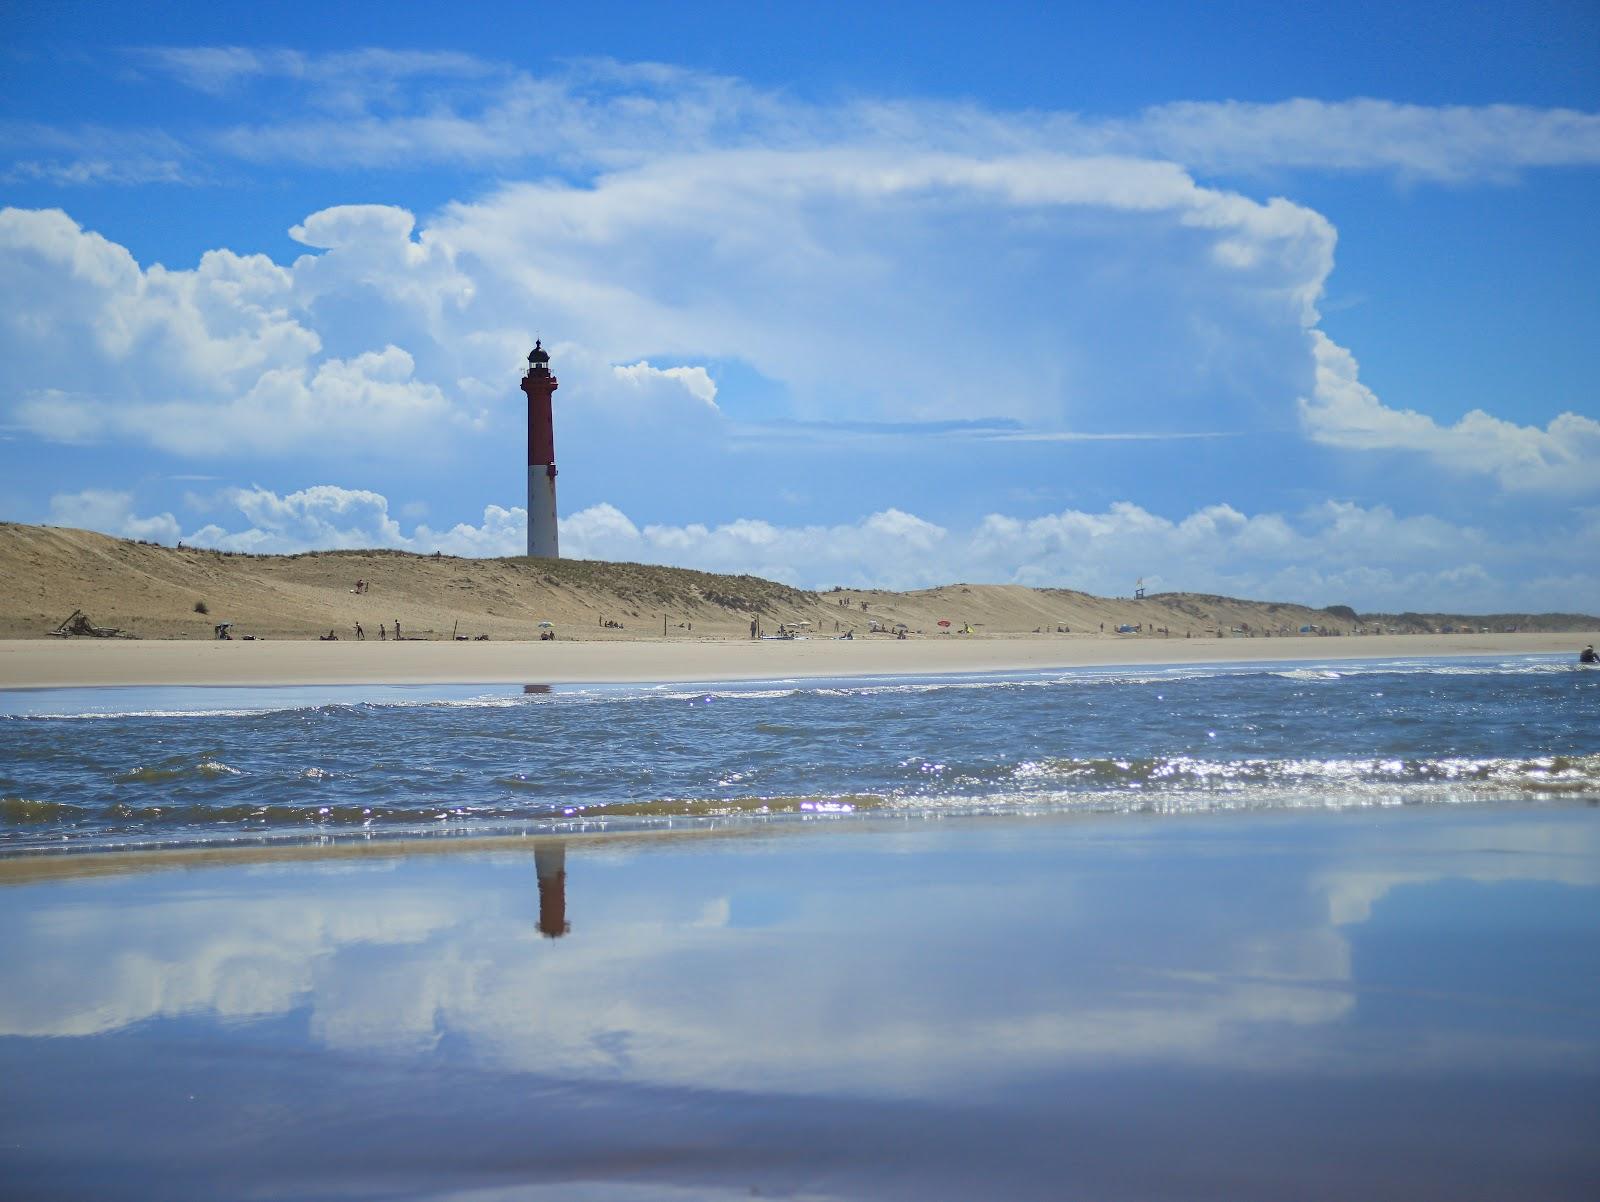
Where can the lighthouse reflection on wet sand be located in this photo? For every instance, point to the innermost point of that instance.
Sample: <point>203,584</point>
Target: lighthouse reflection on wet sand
<point>540,386</point>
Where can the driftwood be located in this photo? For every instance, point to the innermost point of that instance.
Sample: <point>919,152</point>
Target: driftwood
<point>77,625</point>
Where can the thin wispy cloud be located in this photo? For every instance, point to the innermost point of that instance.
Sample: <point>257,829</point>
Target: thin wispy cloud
<point>601,111</point>
<point>94,154</point>
<point>957,431</point>
<point>1445,142</point>
<point>216,70</point>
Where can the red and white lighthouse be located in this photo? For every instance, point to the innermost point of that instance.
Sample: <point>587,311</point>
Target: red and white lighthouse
<point>540,386</point>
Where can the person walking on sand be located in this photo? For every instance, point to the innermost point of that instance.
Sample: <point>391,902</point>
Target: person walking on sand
<point>360,634</point>
<point>383,631</point>
<point>397,629</point>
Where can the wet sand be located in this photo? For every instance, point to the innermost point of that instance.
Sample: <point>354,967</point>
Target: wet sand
<point>1385,1004</point>
<point>43,663</point>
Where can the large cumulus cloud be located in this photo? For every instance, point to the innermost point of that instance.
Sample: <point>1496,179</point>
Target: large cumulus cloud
<point>1093,294</point>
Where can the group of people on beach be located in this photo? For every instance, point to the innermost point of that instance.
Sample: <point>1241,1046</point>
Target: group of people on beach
<point>383,633</point>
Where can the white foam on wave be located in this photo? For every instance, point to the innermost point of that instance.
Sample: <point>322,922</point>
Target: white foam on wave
<point>100,715</point>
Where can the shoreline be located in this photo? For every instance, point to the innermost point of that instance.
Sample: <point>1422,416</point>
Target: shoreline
<point>103,663</point>
<point>22,866</point>
<point>25,865</point>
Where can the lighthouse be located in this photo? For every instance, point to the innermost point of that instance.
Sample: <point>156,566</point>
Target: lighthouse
<point>540,386</point>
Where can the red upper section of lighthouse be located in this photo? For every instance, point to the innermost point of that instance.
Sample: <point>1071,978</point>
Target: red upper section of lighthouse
<point>540,385</point>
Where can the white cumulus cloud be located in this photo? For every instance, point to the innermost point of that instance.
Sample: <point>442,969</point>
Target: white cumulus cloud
<point>840,252</point>
<point>1343,412</point>
<point>696,381</point>
<point>111,512</point>
<point>328,516</point>
<point>218,360</point>
<point>1331,553</point>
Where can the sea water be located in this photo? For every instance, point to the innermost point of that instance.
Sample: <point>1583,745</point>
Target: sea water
<point>102,768</point>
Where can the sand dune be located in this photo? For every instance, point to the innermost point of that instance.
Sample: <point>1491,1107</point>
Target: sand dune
<point>154,593</point>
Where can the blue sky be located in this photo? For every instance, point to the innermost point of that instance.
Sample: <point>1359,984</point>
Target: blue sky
<point>1280,301</point>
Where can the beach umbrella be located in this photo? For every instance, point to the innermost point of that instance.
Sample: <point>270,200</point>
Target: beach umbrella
<point>546,625</point>
<point>944,621</point>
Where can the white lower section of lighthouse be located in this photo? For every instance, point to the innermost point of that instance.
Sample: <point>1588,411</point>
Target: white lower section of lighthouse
<point>542,535</point>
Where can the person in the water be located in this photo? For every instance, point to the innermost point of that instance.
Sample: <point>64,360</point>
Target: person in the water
<point>1588,656</point>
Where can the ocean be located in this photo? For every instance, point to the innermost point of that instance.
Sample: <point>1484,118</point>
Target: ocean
<point>104,768</point>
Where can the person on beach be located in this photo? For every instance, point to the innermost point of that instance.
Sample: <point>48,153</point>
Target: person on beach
<point>397,629</point>
<point>383,632</point>
<point>1588,656</point>
<point>360,634</point>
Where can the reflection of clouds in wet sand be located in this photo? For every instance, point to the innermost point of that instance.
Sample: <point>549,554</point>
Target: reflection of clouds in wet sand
<point>97,965</point>
<point>1565,855</point>
<point>720,970</point>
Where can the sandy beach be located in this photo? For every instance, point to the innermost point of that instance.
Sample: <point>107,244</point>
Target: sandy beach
<point>36,663</point>
<point>477,621</point>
